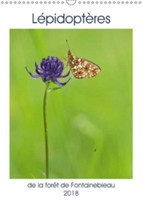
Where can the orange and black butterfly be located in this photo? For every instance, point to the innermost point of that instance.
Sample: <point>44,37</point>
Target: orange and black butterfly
<point>80,67</point>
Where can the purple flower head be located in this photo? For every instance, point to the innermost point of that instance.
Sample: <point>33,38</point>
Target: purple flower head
<point>50,69</point>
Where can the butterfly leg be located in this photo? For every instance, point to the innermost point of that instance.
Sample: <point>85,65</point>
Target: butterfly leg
<point>65,60</point>
<point>67,64</point>
<point>62,58</point>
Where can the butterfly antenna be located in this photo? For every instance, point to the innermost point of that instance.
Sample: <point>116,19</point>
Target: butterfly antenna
<point>68,44</point>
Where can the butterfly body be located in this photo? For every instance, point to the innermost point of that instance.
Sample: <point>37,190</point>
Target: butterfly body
<point>82,68</point>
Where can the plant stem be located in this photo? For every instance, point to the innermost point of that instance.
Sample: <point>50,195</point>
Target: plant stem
<point>45,131</point>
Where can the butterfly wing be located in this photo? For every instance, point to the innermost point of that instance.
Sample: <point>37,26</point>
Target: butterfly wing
<point>82,68</point>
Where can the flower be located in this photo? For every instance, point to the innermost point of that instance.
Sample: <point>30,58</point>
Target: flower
<point>50,69</point>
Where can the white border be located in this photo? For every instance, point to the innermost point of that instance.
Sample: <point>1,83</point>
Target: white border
<point>126,16</point>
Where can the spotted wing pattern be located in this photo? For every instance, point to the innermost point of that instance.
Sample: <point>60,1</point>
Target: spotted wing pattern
<point>82,68</point>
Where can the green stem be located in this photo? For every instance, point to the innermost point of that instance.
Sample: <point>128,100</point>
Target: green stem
<point>45,131</point>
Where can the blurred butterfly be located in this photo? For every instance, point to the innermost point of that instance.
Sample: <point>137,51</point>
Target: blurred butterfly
<point>80,67</point>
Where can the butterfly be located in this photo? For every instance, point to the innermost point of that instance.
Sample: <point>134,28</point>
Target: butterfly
<point>80,67</point>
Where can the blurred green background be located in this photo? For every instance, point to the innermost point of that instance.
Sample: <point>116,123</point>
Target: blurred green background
<point>89,120</point>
